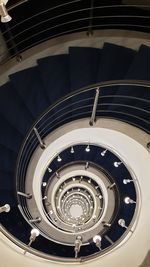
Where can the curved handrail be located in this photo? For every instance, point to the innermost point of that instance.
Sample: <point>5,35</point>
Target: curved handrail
<point>84,17</point>
<point>99,26</point>
<point>50,119</point>
<point>72,21</point>
<point>75,1</point>
<point>45,11</point>
<point>77,105</point>
<point>134,83</point>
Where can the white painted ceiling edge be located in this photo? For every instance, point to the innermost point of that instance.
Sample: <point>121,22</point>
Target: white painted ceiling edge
<point>131,253</point>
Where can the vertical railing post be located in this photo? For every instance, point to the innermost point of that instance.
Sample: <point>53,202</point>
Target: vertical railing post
<point>90,27</point>
<point>93,115</point>
<point>13,45</point>
<point>42,144</point>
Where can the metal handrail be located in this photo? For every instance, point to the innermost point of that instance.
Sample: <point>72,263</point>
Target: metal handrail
<point>26,150</point>
<point>50,19</point>
<point>17,4</point>
<point>72,2</point>
<point>45,11</point>
<point>85,28</point>
<point>66,23</point>
<point>86,23</point>
<point>50,120</point>
<point>138,83</point>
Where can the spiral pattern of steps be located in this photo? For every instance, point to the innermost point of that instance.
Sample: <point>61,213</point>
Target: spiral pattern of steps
<point>85,189</point>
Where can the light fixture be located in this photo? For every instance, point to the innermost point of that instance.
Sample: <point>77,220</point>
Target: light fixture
<point>103,152</point>
<point>5,208</point>
<point>77,245</point>
<point>44,184</point>
<point>33,235</point>
<point>72,150</point>
<point>49,169</point>
<point>117,164</point>
<point>127,181</point>
<point>122,223</point>
<point>128,200</point>
<point>59,159</point>
<point>97,240</point>
<point>87,149</point>
<point>5,17</point>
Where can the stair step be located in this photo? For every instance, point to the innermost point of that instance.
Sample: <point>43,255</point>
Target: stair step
<point>54,72</point>
<point>13,109</point>
<point>129,100</point>
<point>6,180</point>
<point>115,61</point>
<point>84,62</point>
<point>14,221</point>
<point>7,159</point>
<point>7,197</point>
<point>29,86</point>
<point>138,70</point>
<point>9,137</point>
<point>140,67</point>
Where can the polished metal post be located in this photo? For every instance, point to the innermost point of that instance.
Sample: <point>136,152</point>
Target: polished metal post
<point>111,186</point>
<point>86,165</point>
<point>90,27</point>
<point>36,220</point>
<point>93,116</point>
<point>24,194</point>
<point>78,243</point>
<point>108,239</point>
<point>42,144</point>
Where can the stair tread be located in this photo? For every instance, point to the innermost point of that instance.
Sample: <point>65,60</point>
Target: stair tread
<point>13,109</point>
<point>18,226</point>
<point>54,72</point>
<point>7,159</point>
<point>84,62</point>
<point>115,61</point>
<point>6,180</point>
<point>140,66</point>
<point>9,137</point>
<point>29,86</point>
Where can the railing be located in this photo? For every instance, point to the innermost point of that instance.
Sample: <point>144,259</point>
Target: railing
<point>104,100</point>
<point>26,31</point>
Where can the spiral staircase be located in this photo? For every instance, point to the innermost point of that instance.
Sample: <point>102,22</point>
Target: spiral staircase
<point>71,164</point>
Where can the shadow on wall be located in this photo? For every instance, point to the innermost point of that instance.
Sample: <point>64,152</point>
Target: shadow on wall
<point>146,262</point>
